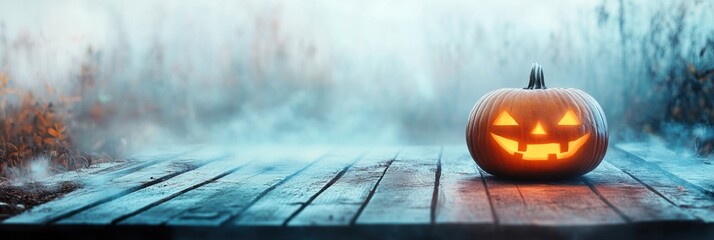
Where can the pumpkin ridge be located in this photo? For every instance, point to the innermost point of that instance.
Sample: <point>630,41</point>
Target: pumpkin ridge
<point>601,146</point>
<point>495,99</point>
<point>529,108</point>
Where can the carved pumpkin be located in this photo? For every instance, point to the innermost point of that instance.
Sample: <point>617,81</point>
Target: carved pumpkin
<point>537,132</point>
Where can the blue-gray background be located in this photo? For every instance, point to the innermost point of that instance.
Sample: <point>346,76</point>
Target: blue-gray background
<point>346,72</point>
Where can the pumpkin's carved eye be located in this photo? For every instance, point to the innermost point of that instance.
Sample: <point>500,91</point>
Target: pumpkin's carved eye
<point>569,119</point>
<point>505,119</point>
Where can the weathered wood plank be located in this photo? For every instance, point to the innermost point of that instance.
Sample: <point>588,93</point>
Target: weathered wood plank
<point>181,208</point>
<point>108,170</point>
<point>79,175</point>
<point>462,195</point>
<point>404,196</point>
<point>294,191</point>
<point>126,205</point>
<point>105,188</point>
<point>696,171</point>
<point>339,204</point>
<point>216,202</point>
<point>163,212</point>
<point>631,198</point>
<point>100,192</point>
<point>145,159</point>
<point>276,206</point>
<point>680,192</point>
<point>547,203</point>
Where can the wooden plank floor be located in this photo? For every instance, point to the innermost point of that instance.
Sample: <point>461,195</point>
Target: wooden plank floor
<point>413,192</point>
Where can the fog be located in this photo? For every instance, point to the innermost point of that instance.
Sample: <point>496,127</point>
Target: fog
<point>144,73</point>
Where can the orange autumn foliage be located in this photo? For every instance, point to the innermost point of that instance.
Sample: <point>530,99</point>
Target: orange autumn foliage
<point>33,129</point>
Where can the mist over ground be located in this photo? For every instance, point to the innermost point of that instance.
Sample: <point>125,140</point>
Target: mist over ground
<point>145,73</point>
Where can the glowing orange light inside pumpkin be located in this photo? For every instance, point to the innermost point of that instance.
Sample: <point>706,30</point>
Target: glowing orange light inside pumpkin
<point>544,151</point>
<point>569,119</point>
<point>538,130</point>
<point>505,119</point>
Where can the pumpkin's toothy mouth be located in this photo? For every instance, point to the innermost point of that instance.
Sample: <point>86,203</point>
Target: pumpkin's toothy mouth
<point>546,151</point>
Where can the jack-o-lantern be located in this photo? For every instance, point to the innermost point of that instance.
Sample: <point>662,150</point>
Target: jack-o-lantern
<point>537,132</point>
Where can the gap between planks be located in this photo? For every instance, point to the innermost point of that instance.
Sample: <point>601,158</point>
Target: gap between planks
<point>401,196</point>
<point>341,203</point>
<point>94,195</point>
<point>678,191</point>
<point>217,202</point>
<point>444,194</point>
<point>281,202</point>
<point>121,182</point>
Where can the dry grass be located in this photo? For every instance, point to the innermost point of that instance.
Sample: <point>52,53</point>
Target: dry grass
<point>32,129</point>
<point>670,87</point>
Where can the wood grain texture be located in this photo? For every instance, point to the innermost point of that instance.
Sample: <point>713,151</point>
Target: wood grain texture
<point>104,172</point>
<point>339,204</point>
<point>107,213</point>
<point>102,191</point>
<point>422,192</point>
<point>195,198</point>
<point>462,196</point>
<point>635,201</point>
<point>83,174</point>
<point>404,196</point>
<point>696,171</point>
<point>228,196</point>
<point>279,204</point>
<point>676,190</point>
<point>548,203</point>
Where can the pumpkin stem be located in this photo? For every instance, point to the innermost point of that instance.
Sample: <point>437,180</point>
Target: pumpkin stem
<point>536,81</point>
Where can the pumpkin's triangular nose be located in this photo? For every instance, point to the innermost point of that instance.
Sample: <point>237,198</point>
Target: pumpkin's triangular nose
<point>538,130</point>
